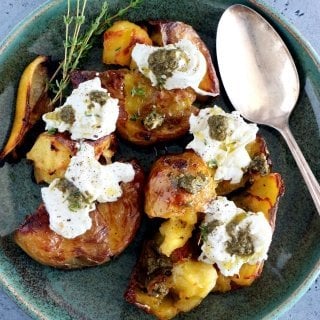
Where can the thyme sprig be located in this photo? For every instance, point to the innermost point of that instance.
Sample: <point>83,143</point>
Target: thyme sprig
<point>78,44</point>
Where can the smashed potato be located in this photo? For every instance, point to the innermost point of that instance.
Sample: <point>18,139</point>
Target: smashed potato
<point>119,40</point>
<point>178,185</point>
<point>51,154</point>
<point>114,224</point>
<point>167,32</point>
<point>176,232</point>
<point>150,114</point>
<point>165,287</point>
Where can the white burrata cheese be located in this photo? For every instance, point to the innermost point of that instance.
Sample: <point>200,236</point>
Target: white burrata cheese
<point>216,239</point>
<point>88,113</point>
<point>191,66</point>
<point>63,220</point>
<point>229,156</point>
<point>94,180</point>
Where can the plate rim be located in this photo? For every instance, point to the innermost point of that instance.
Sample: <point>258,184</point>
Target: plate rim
<point>267,11</point>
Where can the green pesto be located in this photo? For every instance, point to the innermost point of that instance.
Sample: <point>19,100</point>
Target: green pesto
<point>259,163</point>
<point>191,183</point>
<point>241,243</point>
<point>164,62</point>
<point>75,198</point>
<point>99,97</point>
<point>218,127</point>
<point>67,114</point>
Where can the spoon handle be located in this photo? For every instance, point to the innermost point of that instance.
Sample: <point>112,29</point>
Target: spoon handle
<point>305,170</point>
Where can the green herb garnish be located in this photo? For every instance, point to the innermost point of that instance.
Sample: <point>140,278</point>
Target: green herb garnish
<point>78,43</point>
<point>204,231</point>
<point>52,131</point>
<point>134,117</point>
<point>137,91</point>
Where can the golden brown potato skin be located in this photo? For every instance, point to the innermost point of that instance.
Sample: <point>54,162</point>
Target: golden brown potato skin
<point>262,195</point>
<point>175,106</point>
<point>119,40</point>
<point>51,154</point>
<point>164,199</point>
<point>113,228</point>
<point>167,32</point>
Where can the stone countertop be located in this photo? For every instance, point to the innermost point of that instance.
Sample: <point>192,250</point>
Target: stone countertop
<point>304,15</point>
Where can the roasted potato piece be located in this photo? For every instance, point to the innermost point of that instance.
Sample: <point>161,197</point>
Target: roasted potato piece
<point>150,114</point>
<point>114,226</point>
<point>263,195</point>
<point>164,287</point>
<point>176,232</point>
<point>32,102</point>
<point>247,275</point>
<point>119,40</point>
<point>261,163</point>
<point>192,282</point>
<point>178,185</point>
<point>166,32</point>
<point>51,154</point>
<point>147,114</point>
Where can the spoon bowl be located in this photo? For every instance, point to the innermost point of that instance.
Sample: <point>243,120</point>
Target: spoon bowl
<point>260,77</point>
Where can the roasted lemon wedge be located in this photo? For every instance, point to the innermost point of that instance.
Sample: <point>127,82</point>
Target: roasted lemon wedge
<point>32,101</point>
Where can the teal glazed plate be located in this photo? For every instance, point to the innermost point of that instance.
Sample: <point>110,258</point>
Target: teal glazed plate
<point>97,293</point>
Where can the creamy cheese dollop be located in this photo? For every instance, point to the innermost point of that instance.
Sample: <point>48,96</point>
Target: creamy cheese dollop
<point>220,138</point>
<point>88,113</point>
<point>69,200</point>
<point>98,182</point>
<point>173,66</point>
<point>65,218</point>
<point>232,236</point>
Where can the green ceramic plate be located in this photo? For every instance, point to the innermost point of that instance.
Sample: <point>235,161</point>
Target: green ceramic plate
<point>97,293</point>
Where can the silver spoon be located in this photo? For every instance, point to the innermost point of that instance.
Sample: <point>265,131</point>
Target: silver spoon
<point>260,78</point>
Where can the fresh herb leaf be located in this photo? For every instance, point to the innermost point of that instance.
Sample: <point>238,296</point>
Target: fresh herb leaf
<point>137,91</point>
<point>204,231</point>
<point>134,117</point>
<point>78,43</point>
<point>52,131</point>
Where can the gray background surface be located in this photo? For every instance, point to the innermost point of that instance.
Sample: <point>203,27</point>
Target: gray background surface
<point>304,15</point>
